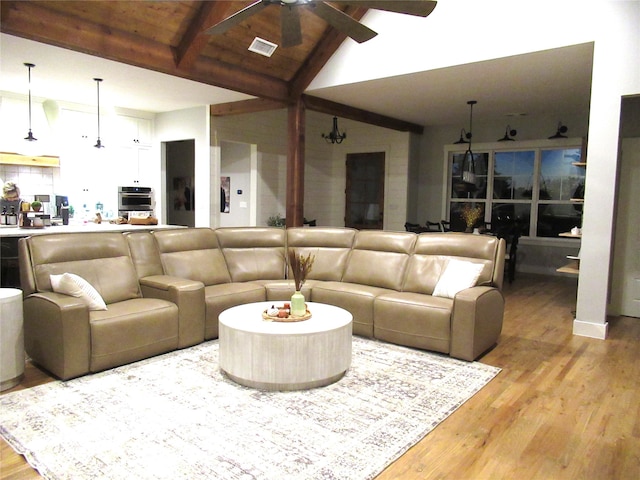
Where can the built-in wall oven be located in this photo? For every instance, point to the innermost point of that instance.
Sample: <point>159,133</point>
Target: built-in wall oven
<point>134,199</point>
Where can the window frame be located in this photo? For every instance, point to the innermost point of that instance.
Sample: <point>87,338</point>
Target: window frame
<point>491,148</point>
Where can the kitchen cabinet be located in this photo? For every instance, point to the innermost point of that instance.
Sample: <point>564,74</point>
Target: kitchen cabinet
<point>80,129</point>
<point>84,169</point>
<point>133,131</point>
<point>133,166</point>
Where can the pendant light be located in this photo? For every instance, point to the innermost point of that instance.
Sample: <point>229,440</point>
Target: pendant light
<point>562,129</point>
<point>334,136</point>
<point>508,133</point>
<point>30,136</point>
<point>468,162</point>
<point>99,142</point>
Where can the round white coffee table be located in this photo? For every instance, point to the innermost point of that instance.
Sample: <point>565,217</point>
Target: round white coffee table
<point>271,355</point>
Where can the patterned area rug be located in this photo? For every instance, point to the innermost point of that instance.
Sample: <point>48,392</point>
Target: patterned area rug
<point>176,416</point>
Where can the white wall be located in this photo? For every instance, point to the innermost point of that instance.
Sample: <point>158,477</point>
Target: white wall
<point>326,200</point>
<point>267,133</point>
<point>325,171</point>
<point>192,123</point>
<point>486,30</point>
<point>271,186</point>
<point>235,162</point>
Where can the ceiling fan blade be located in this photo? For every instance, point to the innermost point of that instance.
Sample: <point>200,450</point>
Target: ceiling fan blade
<point>341,21</point>
<point>236,18</point>
<point>420,8</point>
<point>290,26</point>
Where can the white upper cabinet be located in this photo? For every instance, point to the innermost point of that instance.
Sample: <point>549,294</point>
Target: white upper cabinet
<point>133,130</point>
<point>14,125</point>
<point>133,166</point>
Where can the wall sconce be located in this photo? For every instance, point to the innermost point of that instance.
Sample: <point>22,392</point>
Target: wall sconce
<point>30,136</point>
<point>334,136</point>
<point>560,131</point>
<point>508,133</point>
<point>99,142</point>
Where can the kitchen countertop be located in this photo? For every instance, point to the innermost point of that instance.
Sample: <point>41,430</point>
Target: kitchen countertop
<point>13,231</point>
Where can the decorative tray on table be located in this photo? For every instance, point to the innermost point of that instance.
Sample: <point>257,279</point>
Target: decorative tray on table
<point>282,313</point>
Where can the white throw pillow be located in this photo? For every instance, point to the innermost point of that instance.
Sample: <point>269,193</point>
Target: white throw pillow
<point>76,286</point>
<point>457,275</point>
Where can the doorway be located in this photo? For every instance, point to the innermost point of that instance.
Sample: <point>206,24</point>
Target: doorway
<point>625,288</point>
<point>364,205</point>
<point>180,181</point>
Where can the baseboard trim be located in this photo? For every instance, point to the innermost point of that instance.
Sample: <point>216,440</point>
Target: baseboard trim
<point>590,329</point>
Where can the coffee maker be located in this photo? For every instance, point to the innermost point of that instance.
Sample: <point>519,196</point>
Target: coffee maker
<point>62,208</point>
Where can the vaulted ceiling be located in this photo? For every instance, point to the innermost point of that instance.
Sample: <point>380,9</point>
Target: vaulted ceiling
<point>169,37</point>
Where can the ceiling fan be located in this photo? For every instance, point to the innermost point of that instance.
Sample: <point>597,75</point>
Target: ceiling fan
<point>290,16</point>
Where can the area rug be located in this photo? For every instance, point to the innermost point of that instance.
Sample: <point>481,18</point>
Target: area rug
<point>176,416</point>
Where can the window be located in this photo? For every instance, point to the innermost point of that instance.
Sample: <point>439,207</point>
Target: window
<point>539,188</point>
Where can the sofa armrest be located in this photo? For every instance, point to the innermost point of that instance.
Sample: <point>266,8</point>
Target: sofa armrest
<point>188,295</point>
<point>476,321</point>
<point>57,333</point>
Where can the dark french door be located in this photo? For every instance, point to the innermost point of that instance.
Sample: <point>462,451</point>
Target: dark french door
<point>365,190</point>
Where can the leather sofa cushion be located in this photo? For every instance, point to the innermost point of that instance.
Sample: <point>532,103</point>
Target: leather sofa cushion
<point>433,250</point>
<point>103,260</point>
<point>356,298</point>
<point>330,246</point>
<point>220,297</point>
<point>144,253</point>
<point>380,258</point>
<point>192,253</point>
<point>414,320</point>
<point>253,253</point>
<point>132,330</point>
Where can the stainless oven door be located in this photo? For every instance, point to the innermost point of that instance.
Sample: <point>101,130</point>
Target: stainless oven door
<point>134,201</point>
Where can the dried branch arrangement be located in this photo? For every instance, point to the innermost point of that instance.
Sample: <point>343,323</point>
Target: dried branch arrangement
<point>471,215</point>
<point>300,266</point>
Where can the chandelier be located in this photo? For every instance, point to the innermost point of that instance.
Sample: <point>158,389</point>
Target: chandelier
<point>334,136</point>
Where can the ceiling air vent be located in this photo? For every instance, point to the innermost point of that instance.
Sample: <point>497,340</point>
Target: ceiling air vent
<point>262,47</point>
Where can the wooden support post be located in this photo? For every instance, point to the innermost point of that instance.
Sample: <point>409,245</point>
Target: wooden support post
<point>295,164</point>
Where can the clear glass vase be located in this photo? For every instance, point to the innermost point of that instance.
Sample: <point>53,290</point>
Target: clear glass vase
<point>298,306</point>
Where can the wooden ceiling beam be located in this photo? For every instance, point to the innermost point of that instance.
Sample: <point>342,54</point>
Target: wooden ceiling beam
<point>326,47</point>
<point>32,20</point>
<point>194,41</point>
<point>321,105</point>
<point>245,106</point>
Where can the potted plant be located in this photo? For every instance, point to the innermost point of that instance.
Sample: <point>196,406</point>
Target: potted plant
<point>471,215</point>
<point>36,205</point>
<point>276,221</point>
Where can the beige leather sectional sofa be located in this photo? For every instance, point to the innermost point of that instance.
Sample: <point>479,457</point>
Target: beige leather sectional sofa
<point>164,290</point>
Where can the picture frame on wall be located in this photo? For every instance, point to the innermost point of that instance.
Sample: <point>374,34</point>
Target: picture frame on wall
<point>225,194</point>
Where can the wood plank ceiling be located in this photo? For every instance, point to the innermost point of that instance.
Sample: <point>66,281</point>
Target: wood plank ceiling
<point>167,36</point>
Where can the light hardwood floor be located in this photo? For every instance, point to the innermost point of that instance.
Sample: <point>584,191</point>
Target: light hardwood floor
<point>563,407</point>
